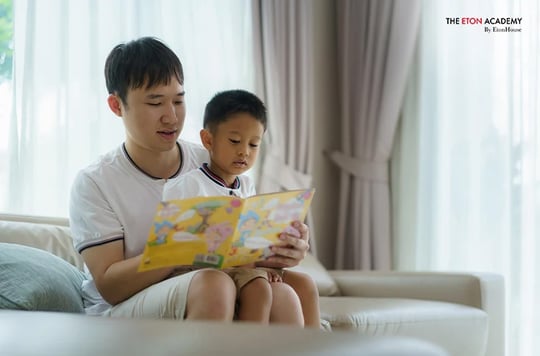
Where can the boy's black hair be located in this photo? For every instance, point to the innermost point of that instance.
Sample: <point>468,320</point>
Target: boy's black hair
<point>145,61</point>
<point>226,103</point>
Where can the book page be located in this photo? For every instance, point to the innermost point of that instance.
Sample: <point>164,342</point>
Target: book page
<point>196,231</point>
<point>263,218</point>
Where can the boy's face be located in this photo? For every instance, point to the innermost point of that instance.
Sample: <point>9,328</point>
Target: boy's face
<point>153,117</point>
<point>234,145</point>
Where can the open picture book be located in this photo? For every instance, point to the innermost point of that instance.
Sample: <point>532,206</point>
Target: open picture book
<point>222,231</point>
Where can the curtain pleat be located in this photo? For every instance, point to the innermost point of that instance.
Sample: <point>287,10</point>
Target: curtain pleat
<point>285,30</point>
<point>375,46</point>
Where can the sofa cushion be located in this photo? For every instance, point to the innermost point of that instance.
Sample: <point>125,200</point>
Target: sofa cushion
<point>32,279</point>
<point>49,236</point>
<point>460,329</point>
<point>325,283</point>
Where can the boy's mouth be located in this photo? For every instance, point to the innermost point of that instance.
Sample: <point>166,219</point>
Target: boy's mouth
<point>240,163</point>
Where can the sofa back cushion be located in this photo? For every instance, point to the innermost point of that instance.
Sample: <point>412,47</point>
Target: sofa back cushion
<point>325,283</point>
<point>49,234</point>
<point>53,235</point>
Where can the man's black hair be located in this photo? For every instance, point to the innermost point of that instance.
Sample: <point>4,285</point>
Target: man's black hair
<point>146,61</point>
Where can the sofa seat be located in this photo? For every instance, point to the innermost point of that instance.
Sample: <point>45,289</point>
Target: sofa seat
<point>460,329</point>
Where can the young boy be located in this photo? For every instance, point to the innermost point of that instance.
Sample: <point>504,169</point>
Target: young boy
<point>234,124</point>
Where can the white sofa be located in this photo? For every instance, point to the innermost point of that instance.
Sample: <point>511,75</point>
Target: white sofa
<point>463,313</point>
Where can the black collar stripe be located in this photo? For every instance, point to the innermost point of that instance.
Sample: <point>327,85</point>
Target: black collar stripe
<point>149,175</point>
<point>217,179</point>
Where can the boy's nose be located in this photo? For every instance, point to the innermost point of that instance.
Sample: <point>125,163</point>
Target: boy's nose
<point>243,152</point>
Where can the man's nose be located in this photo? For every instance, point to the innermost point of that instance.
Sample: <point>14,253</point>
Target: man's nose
<point>169,115</point>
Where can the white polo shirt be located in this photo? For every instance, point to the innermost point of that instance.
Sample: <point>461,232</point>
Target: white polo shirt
<point>203,183</point>
<point>113,199</point>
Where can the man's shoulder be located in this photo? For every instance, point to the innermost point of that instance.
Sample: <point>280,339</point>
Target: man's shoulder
<point>192,147</point>
<point>193,155</point>
<point>110,158</point>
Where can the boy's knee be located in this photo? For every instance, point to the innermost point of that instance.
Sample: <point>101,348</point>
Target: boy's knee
<point>258,288</point>
<point>301,282</point>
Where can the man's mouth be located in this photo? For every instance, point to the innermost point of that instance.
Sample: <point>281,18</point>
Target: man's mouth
<point>168,134</point>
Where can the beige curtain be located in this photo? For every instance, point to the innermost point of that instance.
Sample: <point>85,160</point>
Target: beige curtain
<point>375,44</point>
<point>283,53</point>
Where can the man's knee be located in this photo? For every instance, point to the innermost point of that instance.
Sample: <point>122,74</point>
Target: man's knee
<point>211,295</point>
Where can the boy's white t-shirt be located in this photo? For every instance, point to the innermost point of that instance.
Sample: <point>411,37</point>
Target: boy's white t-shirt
<point>113,199</point>
<point>201,183</point>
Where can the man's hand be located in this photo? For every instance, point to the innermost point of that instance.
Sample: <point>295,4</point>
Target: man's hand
<point>292,249</point>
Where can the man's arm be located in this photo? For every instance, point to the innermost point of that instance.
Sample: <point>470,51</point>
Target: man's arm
<point>117,278</point>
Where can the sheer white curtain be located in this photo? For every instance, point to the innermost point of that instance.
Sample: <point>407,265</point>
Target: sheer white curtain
<point>59,120</point>
<point>467,167</point>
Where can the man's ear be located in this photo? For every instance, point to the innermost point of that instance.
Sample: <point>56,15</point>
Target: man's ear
<point>114,104</point>
<point>206,139</point>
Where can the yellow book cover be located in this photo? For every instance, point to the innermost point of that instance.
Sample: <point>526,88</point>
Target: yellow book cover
<point>221,231</point>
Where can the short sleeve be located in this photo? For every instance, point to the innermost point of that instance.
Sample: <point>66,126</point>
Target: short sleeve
<point>91,218</point>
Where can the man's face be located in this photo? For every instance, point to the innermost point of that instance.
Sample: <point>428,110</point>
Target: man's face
<point>154,117</point>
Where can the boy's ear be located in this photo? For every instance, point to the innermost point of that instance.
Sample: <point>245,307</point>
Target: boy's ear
<point>206,138</point>
<point>114,104</point>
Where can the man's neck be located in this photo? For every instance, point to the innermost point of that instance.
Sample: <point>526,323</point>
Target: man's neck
<point>158,165</point>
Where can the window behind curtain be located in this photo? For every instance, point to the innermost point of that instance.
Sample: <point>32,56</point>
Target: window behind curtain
<point>6,69</point>
<point>59,120</point>
<point>469,193</point>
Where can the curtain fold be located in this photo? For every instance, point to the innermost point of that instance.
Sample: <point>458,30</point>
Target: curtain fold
<point>285,46</point>
<point>376,40</point>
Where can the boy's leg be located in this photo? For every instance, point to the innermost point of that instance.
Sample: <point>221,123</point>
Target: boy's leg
<point>286,306</point>
<point>254,294</point>
<point>255,301</point>
<point>308,293</point>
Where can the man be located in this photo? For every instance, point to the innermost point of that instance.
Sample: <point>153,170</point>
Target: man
<point>113,200</point>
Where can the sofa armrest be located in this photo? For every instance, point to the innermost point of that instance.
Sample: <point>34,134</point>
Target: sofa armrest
<point>480,290</point>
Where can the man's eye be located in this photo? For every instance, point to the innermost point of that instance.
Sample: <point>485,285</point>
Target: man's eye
<point>154,104</point>
<point>178,102</point>
<point>234,141</point>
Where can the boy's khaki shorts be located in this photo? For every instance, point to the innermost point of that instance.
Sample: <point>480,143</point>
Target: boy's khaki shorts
<point>242,276</point>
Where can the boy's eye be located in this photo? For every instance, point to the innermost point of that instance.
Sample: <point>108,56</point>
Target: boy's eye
<point>252,145</point>
<point>179,102</point>
<point>234,141</point>
<point>154,104</point>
